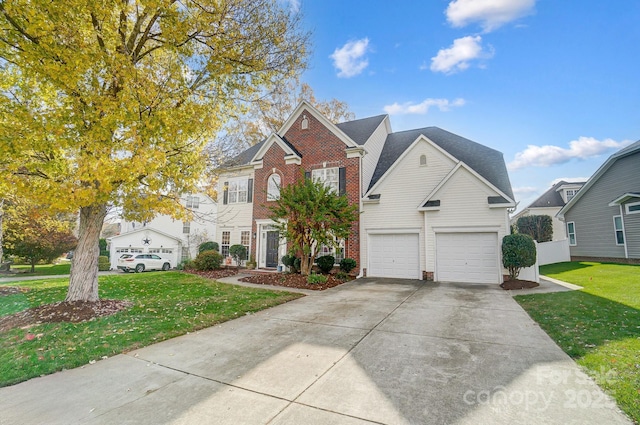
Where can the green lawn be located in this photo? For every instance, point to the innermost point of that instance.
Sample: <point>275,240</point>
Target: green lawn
<point>598,326</point>
<point>42,269</point>
<point>165,305</point>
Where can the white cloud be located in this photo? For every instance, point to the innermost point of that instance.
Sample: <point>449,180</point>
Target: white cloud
<point>350,59</point>
<point>491,14</point>
<point>294,6</point>
<point>545,156</point>
<point>423,107</point>
<point>457,57</point>
<point>525,190</point>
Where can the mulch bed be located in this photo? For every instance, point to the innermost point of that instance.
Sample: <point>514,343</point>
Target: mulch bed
<point>509,285</point>
<point>291,280</point>
<point>215,274</point>
<point>65,311</point>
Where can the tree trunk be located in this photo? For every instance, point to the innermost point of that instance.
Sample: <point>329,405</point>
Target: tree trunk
<point>83,284</point>
<point>306,265</point>
<point>1,228</point>
<point>33,265</point>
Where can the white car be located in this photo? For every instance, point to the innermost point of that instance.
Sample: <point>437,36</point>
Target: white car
<point>142,262</point>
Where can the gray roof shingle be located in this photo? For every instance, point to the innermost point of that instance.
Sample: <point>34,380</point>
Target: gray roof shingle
<point>551,198</point>
<point>487,162</point>
<point>360,130</point>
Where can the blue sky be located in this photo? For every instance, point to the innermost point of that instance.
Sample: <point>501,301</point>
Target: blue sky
<point>553,84</point>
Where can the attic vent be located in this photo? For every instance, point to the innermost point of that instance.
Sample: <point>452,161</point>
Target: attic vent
<point>423,160</point>
<point>305,122</point>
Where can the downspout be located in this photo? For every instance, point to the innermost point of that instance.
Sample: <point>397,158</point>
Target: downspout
<point>360,207</point>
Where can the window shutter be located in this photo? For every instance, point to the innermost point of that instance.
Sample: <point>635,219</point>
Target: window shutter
<point>225,197</point>
<point>250,191</point>
<point>342,182</point>
<point>307,175</point>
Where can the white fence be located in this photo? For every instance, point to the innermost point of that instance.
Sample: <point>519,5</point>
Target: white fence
<point>553,252</point>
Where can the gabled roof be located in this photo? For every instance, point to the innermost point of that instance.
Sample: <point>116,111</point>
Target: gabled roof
<point>629,150</point>
<point>245,157</point>
<point>145,229</point>
<point>360,130</point>
<point>287,147</point>
<point>552,197</point>
<point>487,162</point>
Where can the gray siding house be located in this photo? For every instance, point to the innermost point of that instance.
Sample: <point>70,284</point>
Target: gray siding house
<point>603,218</point>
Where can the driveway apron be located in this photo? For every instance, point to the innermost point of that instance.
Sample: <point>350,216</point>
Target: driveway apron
<point>370,351</point>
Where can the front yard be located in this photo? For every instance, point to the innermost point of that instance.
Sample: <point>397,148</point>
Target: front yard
<point>164,305</point>
<point>598,326</point>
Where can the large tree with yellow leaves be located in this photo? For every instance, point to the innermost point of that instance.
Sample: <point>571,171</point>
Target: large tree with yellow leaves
<point>110,102</point>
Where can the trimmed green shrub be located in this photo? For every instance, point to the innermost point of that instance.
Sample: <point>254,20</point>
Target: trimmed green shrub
<point>208,260</point>
<point>342,276</point>
<point>325,263</point>
<point>103,263</point>
<point>238,253</point>
<point>208,246</point>
<point>289,261</point>
<point>347,264</point>
<point>314,279</point>
<point>102,244</point>
<point>518,251</point>
<point>297,263</point>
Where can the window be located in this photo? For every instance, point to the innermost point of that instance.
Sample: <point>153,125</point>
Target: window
<point>136,250</point>
<point>619,229</point>
<point>423,160</point>
<point>633,208</point>
<point>193,202</point>
<point>167,251</point>
<point>245,239</point>
<point>571,232</point>
<point>119,250</point>
<point>337,252</point>
<point>273,187</point>
<point>186,227</point>
<point>329,176</point>
<point>185,253</point>
<point>154,250</point>
<point>571,193</point>
<point>226,239</point>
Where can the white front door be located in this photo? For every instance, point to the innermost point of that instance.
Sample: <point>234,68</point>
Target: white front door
<point>467,257</point>
<point>395,255</point>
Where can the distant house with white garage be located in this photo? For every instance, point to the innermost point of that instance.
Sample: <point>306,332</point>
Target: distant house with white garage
<point>174,240</point>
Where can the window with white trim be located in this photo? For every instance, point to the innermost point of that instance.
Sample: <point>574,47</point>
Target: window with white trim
<point>633,208</point>
<point>154,250</point>
<point>245,240</point>
<point>571,233</point>
<point>570,193</point>
<point>185,253</point>
<point>329,176</point>
<point>238,190</point>
<point>273,187</point>
<point>193,202</point>
<point>167,251</point>
<point>224,245</point>
<point>186,227</point>
<point>336,251</point>
<point>618,229</point>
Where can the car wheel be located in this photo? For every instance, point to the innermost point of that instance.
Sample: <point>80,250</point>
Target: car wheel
<point>139,268</point>
<point>165,267</point>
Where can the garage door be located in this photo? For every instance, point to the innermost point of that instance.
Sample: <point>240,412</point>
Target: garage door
<point>467,257</point>
<point>394,255</point>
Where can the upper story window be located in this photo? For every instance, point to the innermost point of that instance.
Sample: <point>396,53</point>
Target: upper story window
<point>329,176</point>
<point>186,227</point>
<point>238,191</point>
<point>570,193</point>
<point>193,202</point>
<point>633,208</point>
<point>273,187</point>
<point>423,160</point>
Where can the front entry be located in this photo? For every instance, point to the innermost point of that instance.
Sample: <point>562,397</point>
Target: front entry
<point>273,241</point>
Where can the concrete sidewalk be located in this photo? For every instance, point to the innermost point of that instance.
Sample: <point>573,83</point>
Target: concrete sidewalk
<point>369,351</point>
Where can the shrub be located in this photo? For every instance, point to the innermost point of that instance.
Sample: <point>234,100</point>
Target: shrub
<point>208,260</point>
<point>103,263</point>
<point>347,264</point>
<point>342,276</point>
<point>314,279</point>
<point>297,263</point>
<point>238,253</point>
<point>518,251</point>
<point>102,244</point>
<point>325,263</point>
<point>208,246</point>
<point>539,227</point>
<point>292,262</point>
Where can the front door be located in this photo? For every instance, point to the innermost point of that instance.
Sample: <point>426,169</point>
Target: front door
<point>273,240</point>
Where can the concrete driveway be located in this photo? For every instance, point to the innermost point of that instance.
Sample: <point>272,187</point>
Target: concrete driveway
<point>370,351</point>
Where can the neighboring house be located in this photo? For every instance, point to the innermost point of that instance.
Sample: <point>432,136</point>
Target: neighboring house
<point>175,240</point>
<point>603,218</point>
<point>433,204</point>
<point>549,203</point>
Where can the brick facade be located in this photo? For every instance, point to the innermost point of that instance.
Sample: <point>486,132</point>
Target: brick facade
<point>319,148</point>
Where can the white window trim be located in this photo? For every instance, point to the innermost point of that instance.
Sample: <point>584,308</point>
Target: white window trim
<point>248,247</point>
<point>323,177</point>
<point>632,204</point>
<point>237,192</point>
<point>222,244</point>
<point>273,193</point>
<point>575,238</point>
<point>616,230</point>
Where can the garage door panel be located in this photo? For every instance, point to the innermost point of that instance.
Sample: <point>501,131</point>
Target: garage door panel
<point>467,257</point>
<point>394,255</point>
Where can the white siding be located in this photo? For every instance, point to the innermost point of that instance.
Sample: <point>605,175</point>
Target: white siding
<point>374,147</point>
<point>402,191</point>
<point>237,217</point>
<point>559,228</point>
<point>463,205</point>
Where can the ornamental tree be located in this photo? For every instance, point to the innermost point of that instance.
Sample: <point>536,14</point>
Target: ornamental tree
<point>539,227</point>
<point>309,215</point>
<point>110,103</point>
<point>518,251</point>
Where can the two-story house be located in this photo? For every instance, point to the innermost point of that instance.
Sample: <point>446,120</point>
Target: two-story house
<point>433,204</point>
<point>174,240</point>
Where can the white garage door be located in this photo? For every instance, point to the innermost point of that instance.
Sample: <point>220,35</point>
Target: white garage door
<point>467,257</point>
<point>394,255</point>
